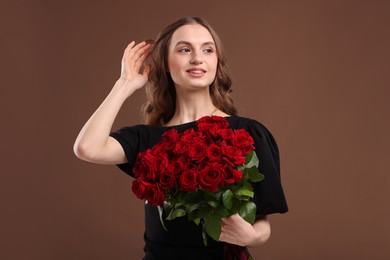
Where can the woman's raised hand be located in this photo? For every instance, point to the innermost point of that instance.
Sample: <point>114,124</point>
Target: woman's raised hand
<point>132,61</point>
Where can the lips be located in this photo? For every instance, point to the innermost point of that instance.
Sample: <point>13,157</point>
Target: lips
<point>196,71</point>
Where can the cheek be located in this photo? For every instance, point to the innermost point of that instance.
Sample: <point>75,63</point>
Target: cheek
<point>214,66</point>
<point>214,63</point>
<point>173,64</point>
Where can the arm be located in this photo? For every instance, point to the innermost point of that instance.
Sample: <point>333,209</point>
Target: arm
<point>93,143</point>
<point>235,230</point>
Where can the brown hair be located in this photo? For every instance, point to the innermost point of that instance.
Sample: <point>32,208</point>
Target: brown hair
<point>160,90</point>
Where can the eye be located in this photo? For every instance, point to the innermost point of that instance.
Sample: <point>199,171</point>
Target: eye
<point>184,49</point>
<point>208,50</point>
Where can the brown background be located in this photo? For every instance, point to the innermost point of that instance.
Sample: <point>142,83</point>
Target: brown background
<point>314,72</point>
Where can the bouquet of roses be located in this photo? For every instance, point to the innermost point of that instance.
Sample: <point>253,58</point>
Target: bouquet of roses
<point>204,174</point>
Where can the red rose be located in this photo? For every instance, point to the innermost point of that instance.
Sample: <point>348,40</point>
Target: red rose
<point>185,162</point>
<point>232,175</point>
<point>175,168</point>
<point>209,125</point>
<point>226,135</point>
<point>201,165</point>
<point>144,169</point>
<point>214,153</point>
<point>181,147</point>
<point>211,177</point>
<point>189,181</point>
<point>171,135</point>
<point>207,138</point>
<point>190,136</point>
<point>197,152</point>
<point>243,141</point>
<point>167,180</point>
<point>216,122</point>
<point>159,163</point>
<point>209,133</point>
<point>233,155</point>
<point>170,138</point>
<point>159,149</point>
<point>139,186</point>
<point>154,194</point>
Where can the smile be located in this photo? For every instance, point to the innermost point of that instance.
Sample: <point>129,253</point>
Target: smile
<point>196,71</point>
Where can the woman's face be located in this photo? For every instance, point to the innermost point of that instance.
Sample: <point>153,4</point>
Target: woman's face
<point>192,57</point>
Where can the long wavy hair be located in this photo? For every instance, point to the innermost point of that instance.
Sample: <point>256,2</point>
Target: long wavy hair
<point>160,90</point>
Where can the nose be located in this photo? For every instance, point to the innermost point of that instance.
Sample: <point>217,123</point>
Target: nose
<point>196,59</point>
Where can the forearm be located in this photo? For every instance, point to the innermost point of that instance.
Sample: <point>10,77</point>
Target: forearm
<point>96,130</point>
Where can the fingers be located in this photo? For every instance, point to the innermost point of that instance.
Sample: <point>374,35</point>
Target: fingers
<point>127,50</point>
<point>133,59</point>
<point>141,56</point>
<point>136,54</point>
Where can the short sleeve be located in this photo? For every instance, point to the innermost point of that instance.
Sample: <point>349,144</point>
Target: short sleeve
<point>129,139</point>
<point>269,195</point>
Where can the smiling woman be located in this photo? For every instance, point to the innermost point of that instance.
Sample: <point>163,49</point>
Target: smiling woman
<point>194,40</point>
<point>192,62</point>
<point>189,106</point>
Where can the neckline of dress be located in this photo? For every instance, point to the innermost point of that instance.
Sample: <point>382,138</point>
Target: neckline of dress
<point>192,122</point>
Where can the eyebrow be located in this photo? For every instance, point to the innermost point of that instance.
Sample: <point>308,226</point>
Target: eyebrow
<point>188,43</point>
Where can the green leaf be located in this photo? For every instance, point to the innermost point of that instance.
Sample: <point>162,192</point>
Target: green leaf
<point>213,203</point>
<point>176,213</point>
<point>254,174</point>
<point>241,167</point>
<point>193,197</point>
<point>193,207</point>
<point>221,212</point>
<point>248,211</point>
<point>243,192</point>
<point>257,177</point>
<point>212,226</point>
<point>227,199</point>
<point>191,216</point>
<point>212,198</point>
<point>218,194</point>
<point>179,204</point>
<point>181,196</point>
<point>205,211</point>
<point>248,186</point>
<point>241,181</point>
<point>210,195</point>
<point>252,160</point>
<point>249,157</point>
<point>236,206</point>
<point>196,221</point>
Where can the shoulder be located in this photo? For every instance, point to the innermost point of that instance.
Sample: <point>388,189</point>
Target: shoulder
<point>249,124</point>
<point>259,132</point>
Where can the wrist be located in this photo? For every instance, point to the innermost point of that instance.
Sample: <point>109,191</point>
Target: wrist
<point>124,88</point>
<point>255,238</point>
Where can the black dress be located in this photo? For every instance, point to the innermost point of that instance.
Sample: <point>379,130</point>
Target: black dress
<point>183,240</point>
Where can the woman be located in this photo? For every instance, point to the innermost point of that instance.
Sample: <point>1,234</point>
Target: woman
<point>187,80</point>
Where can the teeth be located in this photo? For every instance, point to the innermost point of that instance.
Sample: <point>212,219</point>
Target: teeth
<point>196,71</point>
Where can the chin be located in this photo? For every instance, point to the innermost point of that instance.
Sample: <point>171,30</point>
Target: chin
<point>194,85</point>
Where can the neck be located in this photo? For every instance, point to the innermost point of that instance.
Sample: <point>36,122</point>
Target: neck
<point>192,106</point>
